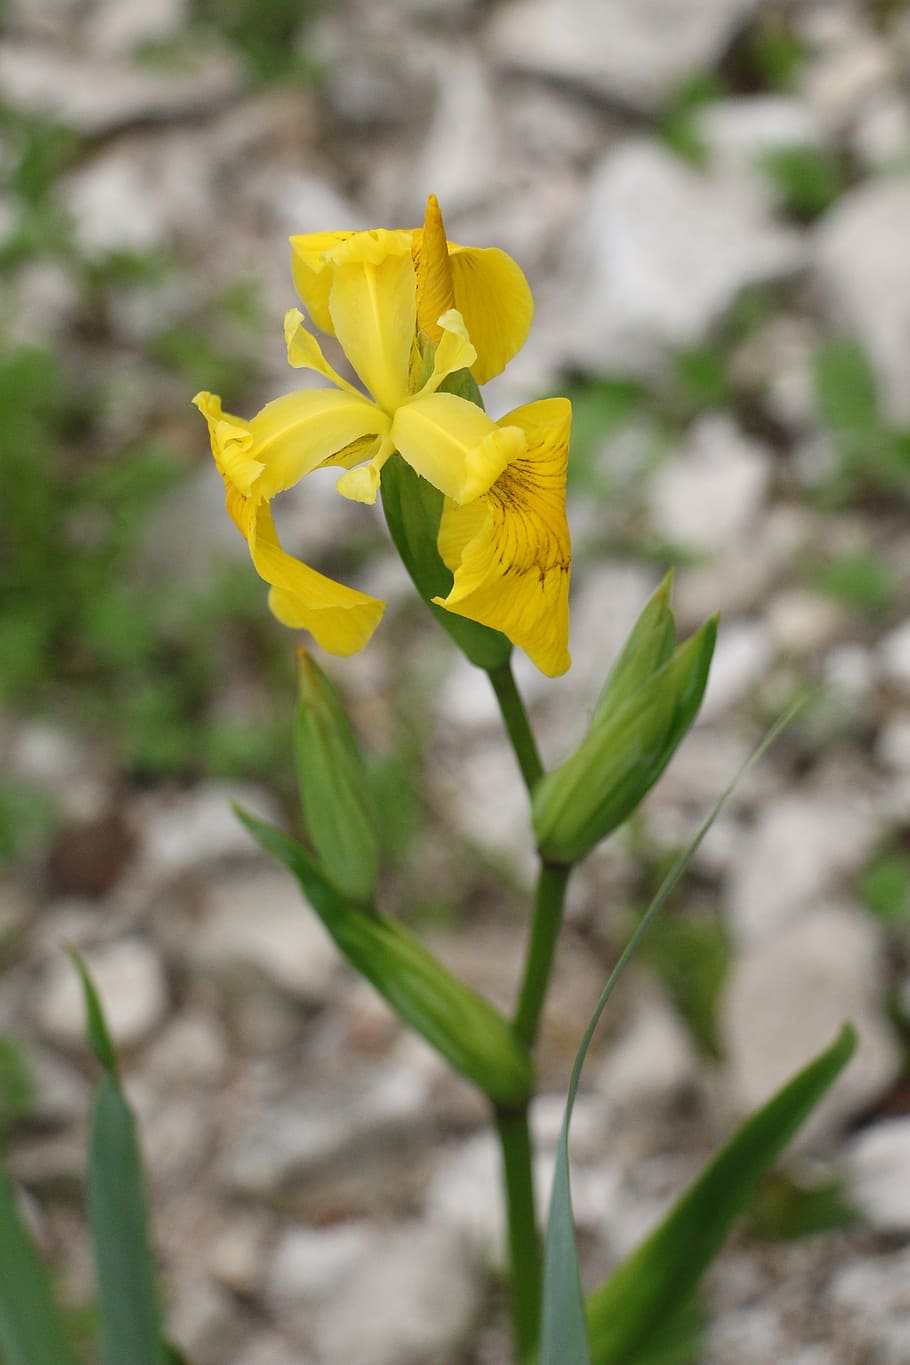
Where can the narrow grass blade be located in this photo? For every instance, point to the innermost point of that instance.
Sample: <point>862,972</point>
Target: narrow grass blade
<point>31,1325</point>
<point>564,1334</point>
<point>130,1314</point>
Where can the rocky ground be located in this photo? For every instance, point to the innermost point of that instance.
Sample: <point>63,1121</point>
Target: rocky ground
<point>712,202</point>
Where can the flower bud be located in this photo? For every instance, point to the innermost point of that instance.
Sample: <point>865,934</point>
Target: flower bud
<point>648,647</point>
<point>334,790</point>
<point>625,751</point>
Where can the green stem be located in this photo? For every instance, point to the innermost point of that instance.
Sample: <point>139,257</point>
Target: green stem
<point>524,1244</point>
<point>516,722</point>
<point>545,926</point>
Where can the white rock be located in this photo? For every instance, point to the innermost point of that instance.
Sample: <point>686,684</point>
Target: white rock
<point>662,252</point>
<point>309,1263</point>
<point>802,622</point>
<point>96,96</point>
<point>860,260</point>
<point>190,828</point>
<point>192,1051</point>
<point>787,998</point>
<point>460,155</point>
<point>892,748</point>
<point>420,1266</point>
<point>120,26</point>
<point>878,1170</point>
<point>709,495</point>
<point>742,657</point>
<point>130,980</point>
<point>872,1297</point>
<point>894,657</point>
<point>285,1144</point>
<point>739,132</point>
<point>882,131</point>
<point>464,1194</point>
<point>202,1317</point>
<point>801,846</point>
<point>110,206</point>
<point>653,1062</point>
<point>840,84</point>
<point>261,930</point>
<point>850,674</point>
<point>635,53</point>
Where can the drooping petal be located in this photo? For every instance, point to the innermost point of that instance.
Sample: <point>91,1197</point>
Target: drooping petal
<point>454,352</point>
<point>339,618</point>
<point>514,565</point>
<point>454,444</point>
<point>374,310</point>
<point>362,485</point>
<point>305,353</point>
<point>296,433</point>
<point>233,446</point>
<point>313,273</point>
<point>494,298</point>
<point>435,287</point>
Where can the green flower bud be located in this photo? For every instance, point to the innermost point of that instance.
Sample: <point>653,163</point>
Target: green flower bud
<point>334,790</point>
<point>624,753</point>
<point>466,1029</point>
<point>647,648</point>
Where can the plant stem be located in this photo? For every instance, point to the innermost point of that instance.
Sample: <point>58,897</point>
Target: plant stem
<point>524,1245</point>
<point>545,926</point>
<point>516,722</point>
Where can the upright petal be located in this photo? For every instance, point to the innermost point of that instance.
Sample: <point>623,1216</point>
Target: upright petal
<point>232,443</point>
<point>435,287</point>
<point>374,310</point>
<point>313,273</point>
<point>454,444</point>
<point>494,298</point>
<point>513,572</point>
<point>339,618</point>
<point>296,433</point>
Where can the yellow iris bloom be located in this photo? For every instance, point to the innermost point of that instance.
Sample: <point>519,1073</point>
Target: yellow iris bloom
<point>389,297</point>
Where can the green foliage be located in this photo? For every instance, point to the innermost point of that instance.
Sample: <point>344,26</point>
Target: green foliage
<point>17,1091</point>
<point>884,885</point>
<point>678,125</point>
<point>701,378</point>
<point>862,580</point>
<point>600,407</point>
<point>783,1209</point>
<point>26,817</point>
<point>775,53</point>
<point>32,1331</point>
<point>35,152</point>
<point>808,179</point>
<point>266,33</point>
<point>692,955</point>
<point>873,457</point>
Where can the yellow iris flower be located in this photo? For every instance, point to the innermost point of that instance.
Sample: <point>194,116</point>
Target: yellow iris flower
<point>389,297</point>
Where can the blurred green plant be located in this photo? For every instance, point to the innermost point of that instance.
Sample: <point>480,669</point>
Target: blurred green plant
<point>807,179</point>
<point>266,33</point>
<point>873,456</point>
<point>692,955</point>
<point>862,579</point>
<point>884,884</point>
<point>783,1209</point>
<point>678,126</point>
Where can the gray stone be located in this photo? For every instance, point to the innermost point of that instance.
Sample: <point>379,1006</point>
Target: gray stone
<point>117,28</point>
<point>803,622</point>
<point>662,252</point>
<point>130,980</point>
<point>894,658</point>
<point>192,1051</point>
<point>96,96</point>
<point>871,1300</point>
<point>787,998</point>
<point>709,495</point>
<point>352,1121</point>
<point>846,79</point>
<point>635,53</point>
<point>309,1263</point>
<point>460,155</point>
<point>738,133</point>
<point>802,846</point>
<point>878,1172</point>
<point>414,1303</point>
<point>202,1319</point>
<point>260,931</point>
<point>187,829</point>
<point>860,260</point>
<point>742,657</point>
<point>652,1063</point>
<point>892,748</point>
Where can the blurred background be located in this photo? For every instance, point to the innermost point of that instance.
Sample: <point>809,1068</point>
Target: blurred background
<point>711,199</point>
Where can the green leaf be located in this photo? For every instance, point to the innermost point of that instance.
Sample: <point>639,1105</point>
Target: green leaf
<point>808,179</point>
<point>472,1036</point>
<point>31,1326</point>
<point>846,392</point>
<point>413,508</point>
<point>663,1272</point>
<point>617,763</point>
<point>563,1339</point>
<point>334,788</point>
<point>130,1313</point>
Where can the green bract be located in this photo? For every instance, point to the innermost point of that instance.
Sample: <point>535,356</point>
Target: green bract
<point>638,725</point>
<point>334,792</point>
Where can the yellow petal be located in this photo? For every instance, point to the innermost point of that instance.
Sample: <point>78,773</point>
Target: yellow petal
<point>305,353</point>
<point>313,274</point>
<point>435,288</point>
<point>232,443</point>
<point>454,352</point>
<point>374,310</point>
<point>300,431</point>
<point>339,618</point>
<point>454,444</point>
<point>493,297</point>
<point>514,567</point>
